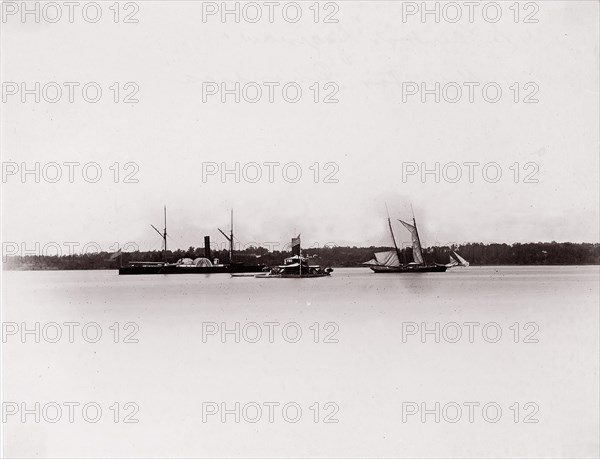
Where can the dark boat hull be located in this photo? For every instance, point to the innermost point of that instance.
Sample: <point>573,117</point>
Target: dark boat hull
<point>174,269</point>
<point>409,269</point>
<point>296,272</point>
<point>290,276</point>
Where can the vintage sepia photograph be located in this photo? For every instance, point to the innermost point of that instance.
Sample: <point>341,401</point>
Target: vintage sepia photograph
<point>300,229</point>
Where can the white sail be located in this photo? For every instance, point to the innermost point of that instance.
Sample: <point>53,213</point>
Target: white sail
<point>461,260</point>
<point>387,258</point>
<point>453,262</point>
<point>417,252</point>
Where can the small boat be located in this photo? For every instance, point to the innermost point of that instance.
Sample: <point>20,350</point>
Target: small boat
<point>296,266</point>
<point>389,262</point>
<point>457,261</point>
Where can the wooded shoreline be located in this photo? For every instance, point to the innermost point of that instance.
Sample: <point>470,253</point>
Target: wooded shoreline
<point>478,254</point>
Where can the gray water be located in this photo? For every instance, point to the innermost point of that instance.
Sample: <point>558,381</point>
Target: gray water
<point>365,364</point>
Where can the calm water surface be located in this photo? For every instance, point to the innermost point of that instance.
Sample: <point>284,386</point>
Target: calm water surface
<point>370,371</point>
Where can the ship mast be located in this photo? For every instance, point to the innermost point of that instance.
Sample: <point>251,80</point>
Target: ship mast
<point>229,238</point>
<point>417,232</point>
<point>164,236</point>
<point>300,258</point>
<point>392,231</point>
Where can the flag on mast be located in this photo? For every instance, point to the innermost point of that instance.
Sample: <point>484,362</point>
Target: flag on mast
<point>296,245</point>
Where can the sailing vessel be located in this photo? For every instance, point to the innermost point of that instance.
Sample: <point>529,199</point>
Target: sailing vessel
<point>389,262</point>
<point>296,266</point>
<point>200,265</point>
<point>457,261</point>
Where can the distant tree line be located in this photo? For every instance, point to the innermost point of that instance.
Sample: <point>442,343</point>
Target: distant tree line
<point>538,253</point>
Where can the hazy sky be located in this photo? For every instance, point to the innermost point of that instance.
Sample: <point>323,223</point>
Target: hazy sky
<point>367,135</point>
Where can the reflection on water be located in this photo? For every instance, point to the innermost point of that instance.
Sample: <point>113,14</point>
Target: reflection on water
<point>506,335</point>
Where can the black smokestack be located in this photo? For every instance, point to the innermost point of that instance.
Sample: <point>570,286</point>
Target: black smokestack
<point>207,247</point>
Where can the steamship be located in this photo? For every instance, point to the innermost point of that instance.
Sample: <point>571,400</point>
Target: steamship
<point>201,265</point>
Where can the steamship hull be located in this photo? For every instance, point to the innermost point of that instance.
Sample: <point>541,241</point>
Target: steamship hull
<point>176,269</point>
